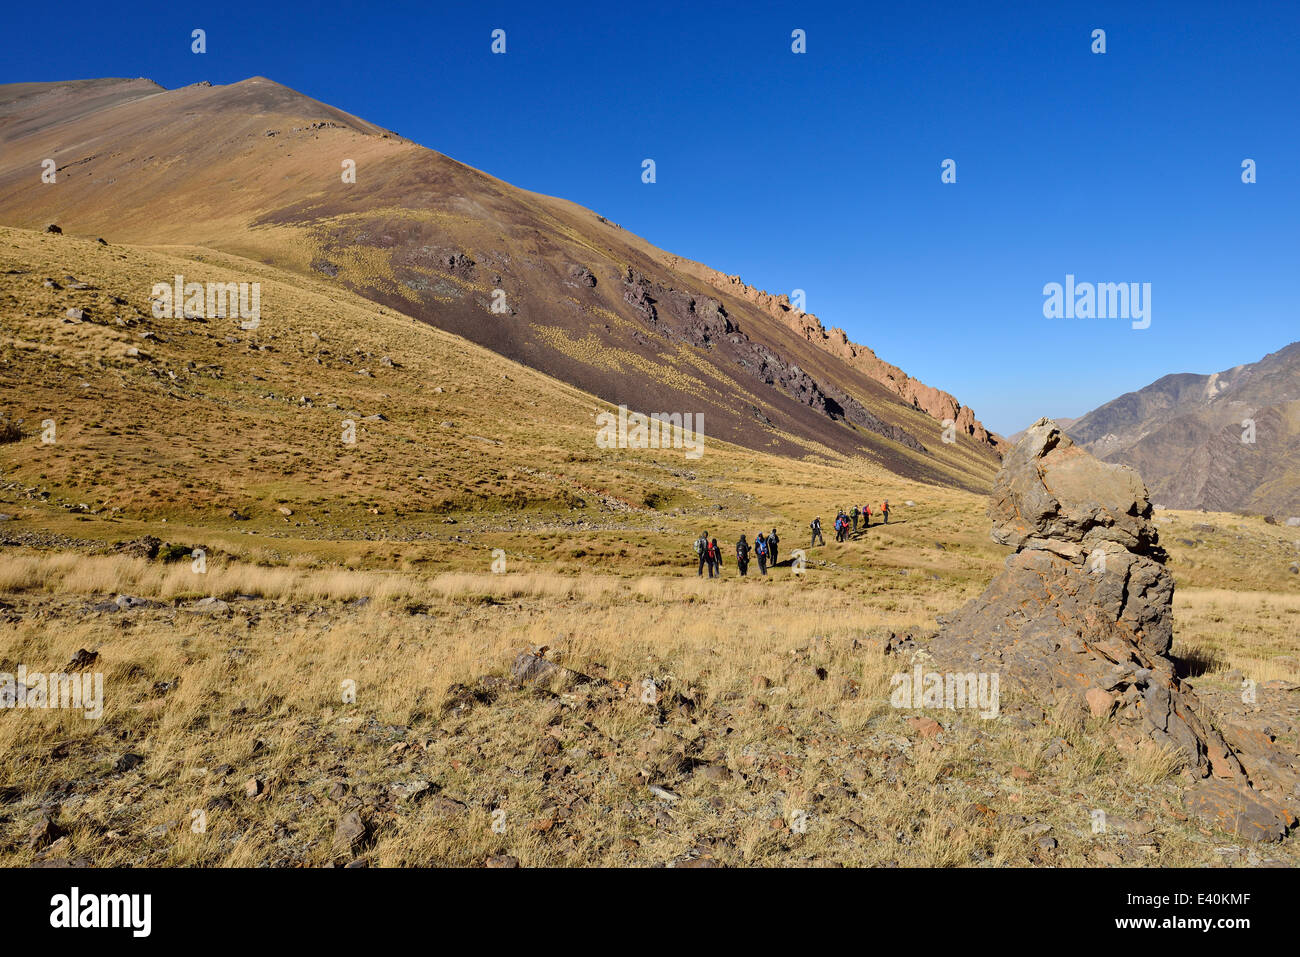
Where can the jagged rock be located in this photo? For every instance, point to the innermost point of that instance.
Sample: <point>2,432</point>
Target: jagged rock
<point>51,228</point>
<point>934,402</point>
<point>1063,623</point>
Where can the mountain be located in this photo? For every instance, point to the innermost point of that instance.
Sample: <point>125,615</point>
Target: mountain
<point>1191,436</point>
<point>258,171</point>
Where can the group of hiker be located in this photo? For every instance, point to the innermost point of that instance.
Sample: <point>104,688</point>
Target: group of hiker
<point>765,547</point>
<point>765,550</point>
<point>843,521</point>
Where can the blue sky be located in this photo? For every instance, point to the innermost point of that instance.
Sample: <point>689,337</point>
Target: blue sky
<point>821,171</point>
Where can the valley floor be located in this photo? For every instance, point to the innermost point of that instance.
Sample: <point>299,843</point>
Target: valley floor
<point>733,722</point>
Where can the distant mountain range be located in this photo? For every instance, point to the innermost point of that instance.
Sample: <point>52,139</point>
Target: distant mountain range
<point>1227,441</point>
<point>260,171</point>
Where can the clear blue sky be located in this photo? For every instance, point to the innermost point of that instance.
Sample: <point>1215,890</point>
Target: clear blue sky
<point>821,171</point>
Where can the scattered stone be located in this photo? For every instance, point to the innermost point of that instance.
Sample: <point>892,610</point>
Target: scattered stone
<point>350,833</point>
<point>44,833</point>
<point>717,773</point>
<point>51,228</point>
<point>502,860</point>
<point>82,659</point>
<point>210,606</point>
<point>408,790</point>
<point>252,788</point>
<point>528,668</point>
<point>127,762</point>
<point>926,727</point>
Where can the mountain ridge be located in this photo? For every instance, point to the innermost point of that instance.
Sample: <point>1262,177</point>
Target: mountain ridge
<point>1227,440</point>
<point>246,168</point>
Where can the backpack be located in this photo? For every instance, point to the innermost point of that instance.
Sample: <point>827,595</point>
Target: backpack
<point>760,546</point>
<point>740,551</point>
<point>700,546</point>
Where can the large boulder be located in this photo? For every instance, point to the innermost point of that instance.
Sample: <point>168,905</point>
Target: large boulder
<point>1082,615</point>
<point>1054,495</point>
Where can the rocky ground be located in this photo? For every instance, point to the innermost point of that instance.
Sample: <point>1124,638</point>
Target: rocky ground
<point>208,755</point>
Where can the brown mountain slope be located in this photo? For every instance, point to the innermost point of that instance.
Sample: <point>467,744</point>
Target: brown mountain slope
<point>254,169</point>
<point>1227,441</point>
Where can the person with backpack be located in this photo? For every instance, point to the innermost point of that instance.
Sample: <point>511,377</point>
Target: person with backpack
<point>742,555</point>
<point>772,543</point>
<point>884,510</point>
<point>816,527</point>
<point>856,512</point>
<point>761,552</point>
<point>866,516</point>
<point>702,552</point>
<point>715,558</point>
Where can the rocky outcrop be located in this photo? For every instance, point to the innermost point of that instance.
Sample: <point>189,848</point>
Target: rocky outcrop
<point>1082,615</point>
<point>702,321</point>
<point>933,402</point>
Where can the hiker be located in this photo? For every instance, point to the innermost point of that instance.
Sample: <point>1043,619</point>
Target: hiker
<point>772,543</point>
<point>702,551</point>
<point>742,555</point>
<point>884,510</point>
<point>856,513</point>
<point>816,527</point>
<point>715,558</point>
<point>866,516</point>
<point>760,550</point>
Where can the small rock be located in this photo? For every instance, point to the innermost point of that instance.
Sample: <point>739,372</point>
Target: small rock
<point>926,727</point>
<point>127,762</point>
<point>44,833</point>
<point>81,659</point>
<point>350,833</point>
